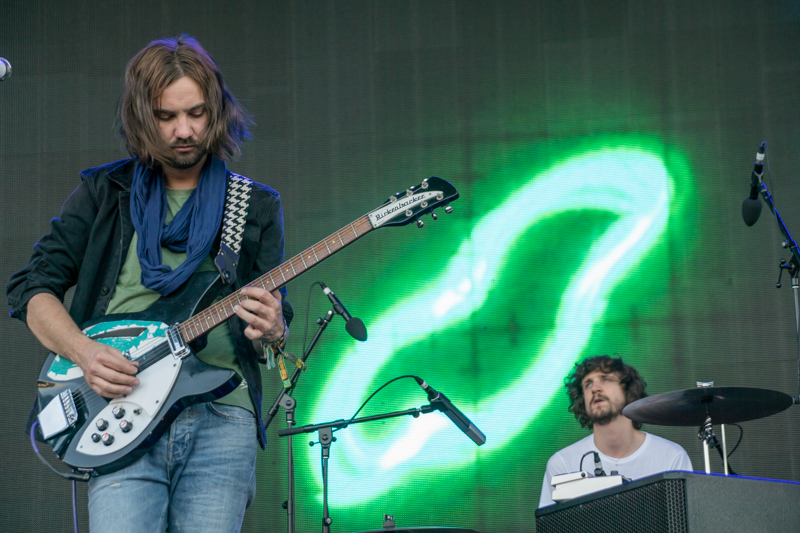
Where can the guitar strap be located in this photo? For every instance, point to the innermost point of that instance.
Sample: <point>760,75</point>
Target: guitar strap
<point>236,203</point>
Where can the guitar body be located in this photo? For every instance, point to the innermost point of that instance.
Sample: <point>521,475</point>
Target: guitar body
<point>104,439</point>
<point>90,432</point>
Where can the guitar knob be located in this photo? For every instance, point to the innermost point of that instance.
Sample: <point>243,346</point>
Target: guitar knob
<point>126,426</point>
<point>102,424</point>
<point>118,412</point>
<point>108,439</point>
<point>448,209</point>
<point>420,223</point>
<point>95,437</point>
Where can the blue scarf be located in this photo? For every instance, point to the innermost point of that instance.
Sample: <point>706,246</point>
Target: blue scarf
<point>193,229</point>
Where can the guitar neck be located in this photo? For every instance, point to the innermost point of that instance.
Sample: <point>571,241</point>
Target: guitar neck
<point>216,314</point>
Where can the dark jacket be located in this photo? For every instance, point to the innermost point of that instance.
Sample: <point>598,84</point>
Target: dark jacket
<point>87,245</point>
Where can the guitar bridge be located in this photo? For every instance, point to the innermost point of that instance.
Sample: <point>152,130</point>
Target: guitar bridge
<point>176,345</point>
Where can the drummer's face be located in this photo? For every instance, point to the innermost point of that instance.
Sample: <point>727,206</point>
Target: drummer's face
<point>603,396</point>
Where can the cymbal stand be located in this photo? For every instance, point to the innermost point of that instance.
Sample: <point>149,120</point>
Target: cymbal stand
<point>289,404</point>
<point>706,434</point>
<point>724,451</point>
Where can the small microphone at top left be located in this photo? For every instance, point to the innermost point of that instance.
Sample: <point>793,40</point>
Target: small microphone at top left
<point>5,69</point>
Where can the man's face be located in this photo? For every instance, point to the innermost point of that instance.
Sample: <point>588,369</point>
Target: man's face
<point>182,118</point>
<point>603,397</point>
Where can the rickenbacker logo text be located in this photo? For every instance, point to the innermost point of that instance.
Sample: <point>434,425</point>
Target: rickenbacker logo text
<point>379,215</point>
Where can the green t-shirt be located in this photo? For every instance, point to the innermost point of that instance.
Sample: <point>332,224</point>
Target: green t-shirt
<point>130,296</point>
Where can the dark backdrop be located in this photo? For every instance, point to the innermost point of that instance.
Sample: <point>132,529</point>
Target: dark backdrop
<point>355,100</point>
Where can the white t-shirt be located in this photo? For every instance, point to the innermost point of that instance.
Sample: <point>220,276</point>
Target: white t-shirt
<point>654,456</point>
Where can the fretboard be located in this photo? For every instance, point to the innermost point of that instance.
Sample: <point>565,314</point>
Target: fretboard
<point>276,278</point>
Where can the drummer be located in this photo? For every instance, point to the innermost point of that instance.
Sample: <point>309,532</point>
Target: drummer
<point>599,388</point>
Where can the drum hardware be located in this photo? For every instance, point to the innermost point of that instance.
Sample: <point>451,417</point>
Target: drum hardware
<point>706,404</point>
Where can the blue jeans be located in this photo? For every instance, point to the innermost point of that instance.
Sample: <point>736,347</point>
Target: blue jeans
<point>199,476</point>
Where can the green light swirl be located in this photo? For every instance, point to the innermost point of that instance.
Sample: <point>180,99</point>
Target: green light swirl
<point>630,182</point>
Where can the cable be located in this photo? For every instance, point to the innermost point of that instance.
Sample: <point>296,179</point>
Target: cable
<point>308,306</point>
<point>74,477</point>
<point>376,392</point>
<point>741,434</point>
<point>75,505</point>
<point>580,467</point>
<point>65,475</point>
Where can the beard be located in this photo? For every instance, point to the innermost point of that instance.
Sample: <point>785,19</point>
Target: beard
<point>605,414</point>
<point>188,160</point>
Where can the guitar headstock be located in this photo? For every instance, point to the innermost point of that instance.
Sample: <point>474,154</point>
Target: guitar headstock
<point>404,207</point>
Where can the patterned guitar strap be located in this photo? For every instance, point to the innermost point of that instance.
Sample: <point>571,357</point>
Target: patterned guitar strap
<point>236,203</point>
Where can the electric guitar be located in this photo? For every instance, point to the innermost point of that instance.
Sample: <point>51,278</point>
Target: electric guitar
<point>92,433</point>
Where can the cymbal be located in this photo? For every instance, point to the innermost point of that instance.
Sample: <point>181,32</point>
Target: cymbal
<point>726,405</point>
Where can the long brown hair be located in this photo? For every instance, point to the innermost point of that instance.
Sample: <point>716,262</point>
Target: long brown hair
<point>632,383</point>
<point>153,69</point>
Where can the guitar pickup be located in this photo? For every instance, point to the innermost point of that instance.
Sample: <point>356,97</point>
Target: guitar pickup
<point>176,344</point>
<point>58,415</point>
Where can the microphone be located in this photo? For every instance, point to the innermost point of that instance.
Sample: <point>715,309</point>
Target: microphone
<point>751,206</point>
<point>5,68</point>
<point>598,465</point>
<point>354,326</point>
<point>440,402</point>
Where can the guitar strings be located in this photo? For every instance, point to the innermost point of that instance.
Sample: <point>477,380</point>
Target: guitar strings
<point>86,398</point>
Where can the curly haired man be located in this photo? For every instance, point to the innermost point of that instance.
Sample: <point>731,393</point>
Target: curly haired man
<point>599,388</point>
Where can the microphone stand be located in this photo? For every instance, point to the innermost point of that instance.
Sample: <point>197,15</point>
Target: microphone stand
<point>793,267</point>
<point>326,439</point>
<point>289,404</point>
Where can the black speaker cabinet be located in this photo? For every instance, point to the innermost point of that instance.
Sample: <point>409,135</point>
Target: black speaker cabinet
<point>677,502</point>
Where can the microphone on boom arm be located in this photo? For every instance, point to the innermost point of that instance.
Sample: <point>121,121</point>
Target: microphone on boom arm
<point>354,326</point>
<point>440,402</point>
<point>751,206</point>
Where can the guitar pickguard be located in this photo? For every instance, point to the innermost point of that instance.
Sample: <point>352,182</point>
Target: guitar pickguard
<point>125,418</point>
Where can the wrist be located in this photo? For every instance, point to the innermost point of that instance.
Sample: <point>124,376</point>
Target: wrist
<point>269,348</point>
<point>280,341</point>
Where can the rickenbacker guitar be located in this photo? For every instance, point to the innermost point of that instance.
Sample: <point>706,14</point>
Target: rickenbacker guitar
<point>92,433</point>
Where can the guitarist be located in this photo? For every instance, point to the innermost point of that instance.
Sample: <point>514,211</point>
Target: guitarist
<point>136,230</point>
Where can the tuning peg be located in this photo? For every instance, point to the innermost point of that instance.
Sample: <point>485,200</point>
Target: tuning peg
<point>434,216</point>
<point>420,223</point>
<point>448,209</point>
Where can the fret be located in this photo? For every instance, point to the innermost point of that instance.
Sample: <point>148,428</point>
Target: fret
<point>329,250</point>
<point>315,254</point>
<point>284,277</point>
<point>272,280</point>
<point>291,265</point>
<point>205,317</point>
<point>305,266</point>
<point>340,239</point>
<point>354,231</point>
<point>218,315</point>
